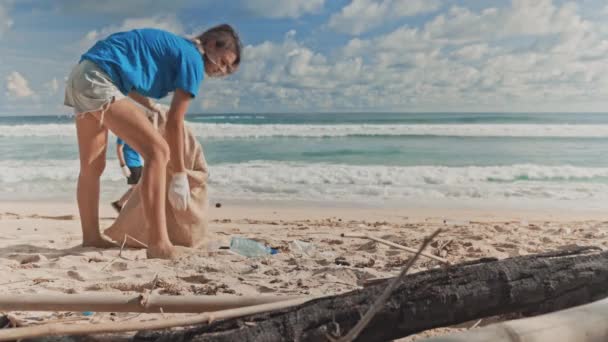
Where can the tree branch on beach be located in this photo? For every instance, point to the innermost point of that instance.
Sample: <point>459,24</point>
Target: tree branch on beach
<point>439,297</point>
<point>435,298</point>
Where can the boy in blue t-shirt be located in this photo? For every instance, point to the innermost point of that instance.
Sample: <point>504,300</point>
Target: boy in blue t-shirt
<point>142,64</point>
<point>131,166</point>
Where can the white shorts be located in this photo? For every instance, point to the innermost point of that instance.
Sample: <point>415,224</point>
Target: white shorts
<point>90,89</point>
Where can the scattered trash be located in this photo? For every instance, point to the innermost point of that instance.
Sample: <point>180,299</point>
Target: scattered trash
<point>31,258</point>
<point>368,263</point>
<point>456,222</point>
<point>303,248</point>
<point>88,313</point>
<point>214,246</point>
<point>250,248</point>
<point>341,261</point>
<point>218,205</point>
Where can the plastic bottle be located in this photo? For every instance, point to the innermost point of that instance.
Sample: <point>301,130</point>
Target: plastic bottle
<point>250,248</point>
<point>303,248</point>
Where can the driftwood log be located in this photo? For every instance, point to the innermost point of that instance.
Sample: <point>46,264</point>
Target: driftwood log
<point>531,284</point>
<point>585,323</point>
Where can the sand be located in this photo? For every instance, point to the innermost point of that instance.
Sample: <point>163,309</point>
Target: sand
<point>40,252</point>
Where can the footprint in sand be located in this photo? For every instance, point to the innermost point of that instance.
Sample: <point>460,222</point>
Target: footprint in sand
<point>119,266</point>
<point>546,239</point>
<point>196,279</point>
<point>272,272</point>
<point>369,247</point>
<point>75,275</point>
<point>28,258</point>
<point>266,289</point>
<point>506,245</point>
<point>97,259</point>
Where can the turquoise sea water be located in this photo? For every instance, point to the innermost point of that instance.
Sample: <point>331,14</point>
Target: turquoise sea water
<point>375,158</point>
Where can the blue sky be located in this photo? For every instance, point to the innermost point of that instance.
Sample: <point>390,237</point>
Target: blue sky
<point>335,55</point>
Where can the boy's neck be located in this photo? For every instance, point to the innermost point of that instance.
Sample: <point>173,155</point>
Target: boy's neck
<point>199,45</point>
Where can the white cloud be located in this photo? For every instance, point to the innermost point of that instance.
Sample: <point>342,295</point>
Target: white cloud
<point>472,52</point>
<point>284,8</point>
<point>403,40</point>
<point>128,8</point>
<point>287,63</point>
<point>530,55</point>
<point>167,23</point>
<point>284,75</point>
<point>458,60</point>
<point>17,86</point>
<point>522,18</point>
<point>5,21</point>
<point>52,86</point>
<point>363,15</point>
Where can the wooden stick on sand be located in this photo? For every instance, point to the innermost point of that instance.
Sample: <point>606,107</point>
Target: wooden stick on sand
<point>88,328</point>
<point>392,244</point>
<point>148,303</point>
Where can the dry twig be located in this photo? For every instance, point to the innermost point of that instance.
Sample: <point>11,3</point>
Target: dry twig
<point>392,244</point>
<point>134,239</point>
<point>379,303</point>
<point>124,242</point>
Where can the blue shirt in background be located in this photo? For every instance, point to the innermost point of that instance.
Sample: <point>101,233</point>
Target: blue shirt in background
<point>150,61</point>
<point>132,158</point>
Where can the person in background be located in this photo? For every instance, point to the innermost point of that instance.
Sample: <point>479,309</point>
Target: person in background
<point>131,166</point>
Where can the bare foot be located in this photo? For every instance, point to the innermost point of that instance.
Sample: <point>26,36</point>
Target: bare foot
<point>168,252</point>
<point>101,241</point>
<point>162,251</point>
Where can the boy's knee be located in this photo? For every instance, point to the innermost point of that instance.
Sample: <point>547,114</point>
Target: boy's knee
<point>93,168</point>
<point>160,151</point>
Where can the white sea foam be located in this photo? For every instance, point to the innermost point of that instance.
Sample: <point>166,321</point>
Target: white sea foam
<point>334,182</point>
<point>14,171</point>
<point>223,130</point>
<point>460,130</point>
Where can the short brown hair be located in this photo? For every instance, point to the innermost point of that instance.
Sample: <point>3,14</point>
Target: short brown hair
<point>225,37</point>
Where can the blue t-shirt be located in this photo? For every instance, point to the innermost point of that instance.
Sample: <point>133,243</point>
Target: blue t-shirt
<point>132,158</point>
<point>150,61</point>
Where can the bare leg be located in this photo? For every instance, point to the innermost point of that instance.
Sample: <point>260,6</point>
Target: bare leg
<point>128,122</point>
<point>92,142</point>
<point>125,197</point>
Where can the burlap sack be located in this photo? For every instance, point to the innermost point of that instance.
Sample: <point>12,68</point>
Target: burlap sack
<point>186,228</point>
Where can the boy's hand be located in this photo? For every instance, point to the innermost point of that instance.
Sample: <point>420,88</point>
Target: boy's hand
<point>179,191</point>
<point>125,171</point>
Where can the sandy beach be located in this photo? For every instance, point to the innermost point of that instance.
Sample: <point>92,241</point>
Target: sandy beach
<point>339,135</point>
<point>40,252</point>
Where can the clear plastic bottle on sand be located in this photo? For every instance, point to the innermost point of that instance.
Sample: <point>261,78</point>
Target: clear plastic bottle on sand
<point>304,248</point>
<point>249,248</point>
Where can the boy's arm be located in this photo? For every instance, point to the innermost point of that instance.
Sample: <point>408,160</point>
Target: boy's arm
<point>179,188</point>
<point>174,128</point>
<point>121,158</point>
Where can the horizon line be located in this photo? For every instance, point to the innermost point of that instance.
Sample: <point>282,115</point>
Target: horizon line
<point>342,112</point>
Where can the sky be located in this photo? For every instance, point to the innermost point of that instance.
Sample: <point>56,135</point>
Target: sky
<point>307,56</point>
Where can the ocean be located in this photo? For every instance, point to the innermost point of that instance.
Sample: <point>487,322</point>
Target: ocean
<point>551,160</point>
